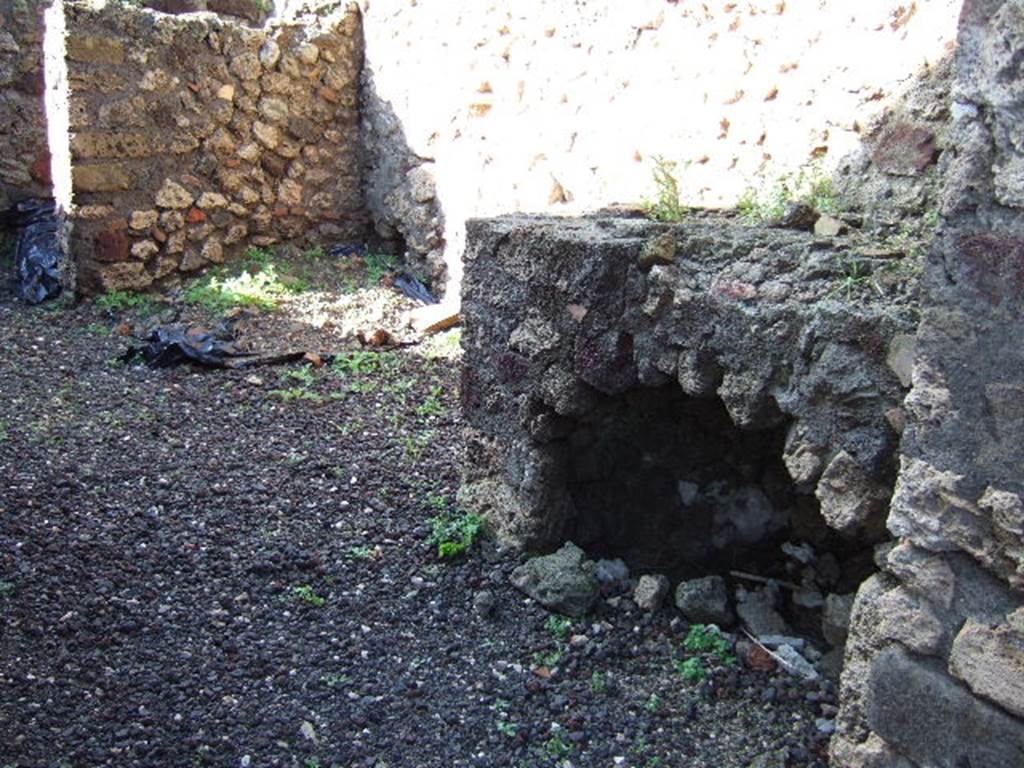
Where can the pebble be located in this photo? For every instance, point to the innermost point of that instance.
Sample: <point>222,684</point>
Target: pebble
<point>484,602</point>
<point>825,726</point>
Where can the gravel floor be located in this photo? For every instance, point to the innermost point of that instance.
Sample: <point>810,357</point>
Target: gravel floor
<point>232,568</point>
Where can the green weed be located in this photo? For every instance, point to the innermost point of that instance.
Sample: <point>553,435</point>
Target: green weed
<point>261,290</point>
<point>332,681</point>
<point>378,266</point>
<point>810,186</point>
<point>454,532</point>
<point>432,406</point>
<point>4,434</point>
<point>667,207</point>
<point>358,362</point>
<point>122,301</point>
<point>702,638</point>
<point>98,329</point>
<point>547,658</point>
<point>855,278</point>
<point>559,626</point>
<point>505,728</point>
<point>598,681</point>
<point>693,670</point>
<point>306,594</point>
<point>557,747</point>
<point>306,378</point>
<point>443,346</point>
<point>303,375</point>
<point>654,704</point>
<point>297,393</point>
<point>415,445</point>
<point>255,259</point>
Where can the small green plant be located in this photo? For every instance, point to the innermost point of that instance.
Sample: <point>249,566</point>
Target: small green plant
<point>332,681</point>
<point>547,658</point>
<point>122,301</point>
<point>443,346</point>
<point>259,287</point>
<point>703,638</point>
<point>505,728</point>
<point>414,445</point>
<point>559,626</point>
<point>297,393</point>
<point>306,378</point>
<point>432,406</point>
<point>668,206</point>
<point>4,435</point>
<point>810,186</point>
<point>312,762</point>
<point>357,362</point>
<point>378,266</point>
<point>99,329</point>
<point>654,704</point>
<point>316,253</point>
<point>693,670</point>
<point>821,195</point>
<point>856,277</point>
<point>557,747</point>
<point>6,588</point>
<point>757,208</point>
<point>598,681</point>
<point>306,594</point>
<point>254,259</point>
<point>303,375</point>
<point>455,532</point>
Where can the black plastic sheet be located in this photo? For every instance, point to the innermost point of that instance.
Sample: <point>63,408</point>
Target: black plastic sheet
<point>171,345</point>
<point>345,250</point>
<point>414,289</point>
<point>37,251</point>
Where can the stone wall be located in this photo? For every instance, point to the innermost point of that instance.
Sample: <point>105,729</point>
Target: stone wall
<point>25,161</point>
<point>193,137</point>
<point>934,672</point>
<point>478,109</point>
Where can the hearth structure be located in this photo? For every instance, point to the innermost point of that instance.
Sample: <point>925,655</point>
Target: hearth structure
<point>686,397</point>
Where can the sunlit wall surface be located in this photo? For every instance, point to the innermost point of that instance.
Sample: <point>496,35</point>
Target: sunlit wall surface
<point>560,106</point>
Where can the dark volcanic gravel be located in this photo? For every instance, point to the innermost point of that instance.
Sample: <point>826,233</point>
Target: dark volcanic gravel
<point>231,568</point>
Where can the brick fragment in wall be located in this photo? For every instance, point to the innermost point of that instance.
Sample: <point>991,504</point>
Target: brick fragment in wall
<point>113,145</point>
<point>111,246</point>
<point>92,49</point>
<point>106,177</point>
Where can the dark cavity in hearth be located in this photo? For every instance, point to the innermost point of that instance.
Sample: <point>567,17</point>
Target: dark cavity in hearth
<point>668,483</point>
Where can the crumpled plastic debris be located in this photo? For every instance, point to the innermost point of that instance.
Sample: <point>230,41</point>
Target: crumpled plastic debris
<point>172,345</point>
<point>344,250</point>
<point>37,250</point>
<point>413,288</point>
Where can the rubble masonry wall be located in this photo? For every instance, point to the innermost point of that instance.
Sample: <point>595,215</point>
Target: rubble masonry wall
<point>193,137</point>
<point>25,161</point>
<point>934,672</point>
